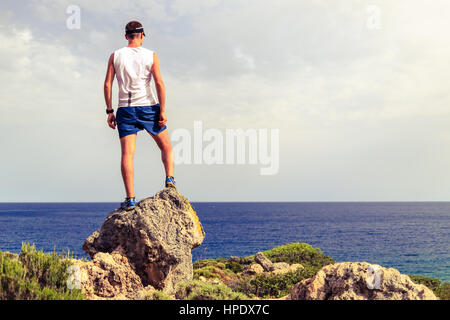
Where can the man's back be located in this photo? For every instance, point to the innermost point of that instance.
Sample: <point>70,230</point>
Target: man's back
<point>133,67</point>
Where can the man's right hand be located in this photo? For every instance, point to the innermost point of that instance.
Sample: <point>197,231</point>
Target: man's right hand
<point>112,121</point>
<point>162,119</point>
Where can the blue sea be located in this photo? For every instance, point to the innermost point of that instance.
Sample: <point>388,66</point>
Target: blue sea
<point>413,237</point>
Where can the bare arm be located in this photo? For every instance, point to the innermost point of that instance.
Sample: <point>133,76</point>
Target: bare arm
<point>107,90</point>
<point>110,73</point>
<point>160,89</point>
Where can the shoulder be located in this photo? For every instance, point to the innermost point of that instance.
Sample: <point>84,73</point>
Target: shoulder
<point>115,54</point>
<point>146,50</point>
<point>119,50</point>
<point>111,57</point>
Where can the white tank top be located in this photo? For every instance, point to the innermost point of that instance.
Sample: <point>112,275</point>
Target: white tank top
<point>133,68</point>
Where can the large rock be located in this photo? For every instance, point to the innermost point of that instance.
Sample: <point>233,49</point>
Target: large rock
<point>155,238</point>
<point>351,281</point>
<point>108,276</point>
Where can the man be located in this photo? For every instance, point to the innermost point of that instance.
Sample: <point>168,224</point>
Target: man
<point>138,109</point>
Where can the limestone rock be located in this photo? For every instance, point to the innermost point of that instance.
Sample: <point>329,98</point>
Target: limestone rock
<point>252,269</point>
<point>264,262</point>
<point>283,267</point>
<point>348,281</point>
<point>278,268</point>
<point>108,276</point>
<point>280,265</point>
<point>155,238</point>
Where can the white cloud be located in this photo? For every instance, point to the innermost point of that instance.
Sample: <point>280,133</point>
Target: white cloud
<point>247,61</point>
<point>192,7</point>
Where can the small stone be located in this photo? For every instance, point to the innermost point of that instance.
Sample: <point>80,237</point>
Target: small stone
<point>264,262</point>
<point>252,269</point>
<point>283,267</point>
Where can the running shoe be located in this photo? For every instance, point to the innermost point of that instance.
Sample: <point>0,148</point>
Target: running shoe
<point>129,203</point>
<point>170,182</point>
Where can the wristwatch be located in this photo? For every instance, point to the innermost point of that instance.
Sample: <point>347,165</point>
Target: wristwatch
<point>108,111</point>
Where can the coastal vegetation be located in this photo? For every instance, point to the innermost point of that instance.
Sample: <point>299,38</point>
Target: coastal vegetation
<point>35,275</point>
<point>200,290</point>
<point>265,284</point>
<point>440,289</point>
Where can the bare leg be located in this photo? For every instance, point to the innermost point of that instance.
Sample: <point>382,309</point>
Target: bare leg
<point>128,144</point>
<point>163,142</point>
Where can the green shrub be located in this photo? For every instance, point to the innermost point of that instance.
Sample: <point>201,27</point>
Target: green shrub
<point>207,262</point>
<point>48,268</point>
<point>226,276</point>
<point>431,283</point>
<point>274,285</point>
<point>214,269</point>
<point>441,290</point>
<point>208,272</point>
<point>156,295</point>
<point>234,266</point>
<point>302,253</point>
<point>34,275</point>
<point>198,290</point>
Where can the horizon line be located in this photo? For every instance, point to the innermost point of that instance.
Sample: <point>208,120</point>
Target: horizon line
<point>247,201</point>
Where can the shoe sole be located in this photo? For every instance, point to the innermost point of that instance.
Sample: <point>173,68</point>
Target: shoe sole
<point>127,208</point>
<point>170,185</point>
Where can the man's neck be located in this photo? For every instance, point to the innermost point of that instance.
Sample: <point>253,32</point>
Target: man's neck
<point>133,44</point>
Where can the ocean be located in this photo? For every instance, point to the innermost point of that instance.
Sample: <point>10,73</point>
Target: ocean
<point>413,237</point>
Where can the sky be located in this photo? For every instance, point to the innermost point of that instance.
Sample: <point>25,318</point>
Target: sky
<point>358,91</point>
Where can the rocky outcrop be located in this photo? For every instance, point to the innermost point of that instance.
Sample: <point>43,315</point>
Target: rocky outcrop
<point>283,267</point>
<point>149,245</point>
<point>351,281</point>
<point>108,276</point>
<point>278,268</point>
<point>251,269</point>
<point>265,263</point>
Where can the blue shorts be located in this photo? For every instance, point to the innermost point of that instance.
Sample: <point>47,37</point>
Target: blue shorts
<point>133,119</point>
